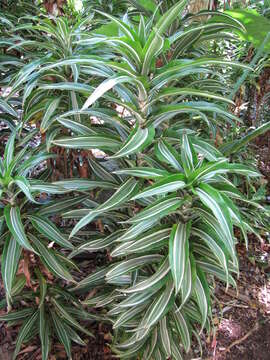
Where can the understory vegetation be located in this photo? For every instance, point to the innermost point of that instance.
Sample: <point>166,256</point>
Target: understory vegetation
<point>127,130</point>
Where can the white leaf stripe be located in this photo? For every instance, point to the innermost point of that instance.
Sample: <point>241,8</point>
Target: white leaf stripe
<point>168,184</point>
<point>217,251</point>
<point>11,261</point>
<point>14,223</point>
<point>143,243</point>
<point>183,329</point>
<point>201,300</point>
<point>177,255</point>
<point>219,213</point>
<point>51,262</point>
<point>47,228</point>
<point>158,210</point>
<point>168,155</point>
<point>135,143</point>
<point>143,172</point>
<point>132,264</point>
<point>152,280</point>
<point>24,332</point>
<point>124,193</point>
<point>165,337</point>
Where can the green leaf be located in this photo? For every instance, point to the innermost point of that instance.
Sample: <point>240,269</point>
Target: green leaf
<point>211,198</point>
<point>102,142</point>
<point>14,223</point>
<point>24,332</point>
<point>61,333</point>
<point>9,263</point>
<point>158,210</point>
<point>50,231</point>
<point>42,287</point>
<point>170,183</point>
<point>49,259</point>
<point>64,314</point>
<point>9,150</point>
<point>25,187</point>
<point>123,194</point>
<point>182,327</point>
<point>7,108</point>
<point>50,109</point>
<point>143,172</point>
<point>165,336</point>
<point>177,253</point>
<point>165,152</point>
<point>17,315</point>
<point>130,265</point>
<point>44,333</point>
<point>138,140</point>
<point>237,145</point>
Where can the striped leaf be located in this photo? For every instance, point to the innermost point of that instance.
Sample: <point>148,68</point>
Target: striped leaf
<point>9,151</point>
<point>9,264</point>
<point>50,231</point>
<point>6,108</point>
<point>188,155</point>
<point>24,332</point>
<point>102,142</point>
<point>178,246</point>
<point>138,140</point>
<point>123,194</point>
<point>211,198</point>
<point>61,333</point>
<point>49,259</point>
<point>143,172</point>
<point>165,336</point>
<point>131,265</point>
<point>44,333</point>
<point>160,306</point>
<point>201,300</point>
<point>65,315</point>
<point>151,282</point>
<point>17,315</point>
<point>83,184</point>
<point>15,226</point>
<point>148,242</point>
<point>50,109</point>
<point>158,210</point>
<point>183,329</point>
<point>24,186</point>
<point>168,184</point>
<point>165,152</point>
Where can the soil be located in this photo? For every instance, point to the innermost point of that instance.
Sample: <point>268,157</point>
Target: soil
<point>244,330</point>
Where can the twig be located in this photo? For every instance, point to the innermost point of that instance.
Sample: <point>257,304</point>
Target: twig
<point>239,341</point>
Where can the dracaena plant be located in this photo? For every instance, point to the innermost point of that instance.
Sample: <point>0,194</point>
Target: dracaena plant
<point>29,233</point>
<point>26,212</point>
<point>49,312</point>
<point>156,80</point>
<point>179,233</point>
